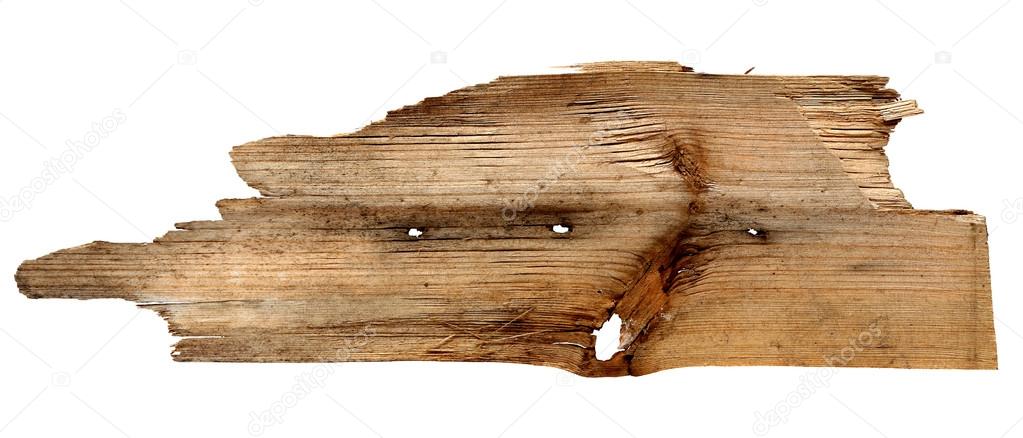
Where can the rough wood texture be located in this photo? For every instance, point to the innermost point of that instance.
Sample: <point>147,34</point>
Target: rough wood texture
<point>728,219</point>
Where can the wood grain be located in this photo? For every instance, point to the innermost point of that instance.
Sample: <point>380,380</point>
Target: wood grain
<point>728,219</point>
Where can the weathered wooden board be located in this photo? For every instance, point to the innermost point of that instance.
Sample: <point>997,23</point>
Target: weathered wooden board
<point>728,219</point>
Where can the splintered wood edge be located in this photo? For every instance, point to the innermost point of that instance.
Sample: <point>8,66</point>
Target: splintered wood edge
<point>728,219</point>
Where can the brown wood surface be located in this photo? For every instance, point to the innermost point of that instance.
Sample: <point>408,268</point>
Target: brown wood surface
<point>728,219</point>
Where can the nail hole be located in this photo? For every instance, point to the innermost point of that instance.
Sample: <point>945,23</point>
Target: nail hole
<point>415,232</point>
<point>561,229</point>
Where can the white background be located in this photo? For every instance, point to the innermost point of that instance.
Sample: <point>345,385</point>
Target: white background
<point>194,78</point>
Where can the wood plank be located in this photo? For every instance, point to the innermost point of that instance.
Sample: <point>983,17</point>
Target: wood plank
<point>728,219</point>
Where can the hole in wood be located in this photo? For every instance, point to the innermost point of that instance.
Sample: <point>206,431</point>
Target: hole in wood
<point>608,338</point>
<point>753,231</point>
<point>415,232</point>
<point>561,229</point>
